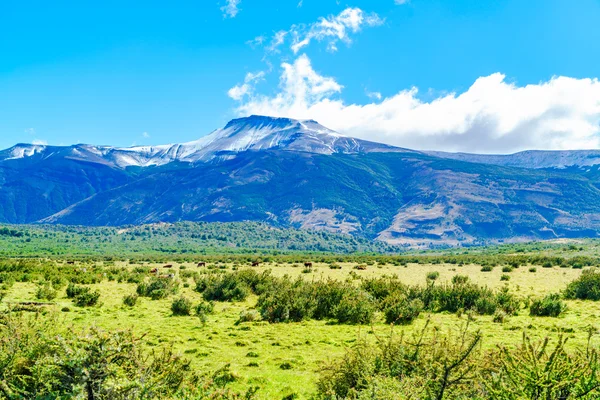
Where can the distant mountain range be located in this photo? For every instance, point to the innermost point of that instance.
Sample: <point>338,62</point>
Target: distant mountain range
<point>300,174</point>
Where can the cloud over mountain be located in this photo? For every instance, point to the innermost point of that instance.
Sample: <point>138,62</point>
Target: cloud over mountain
<point>491,116</point>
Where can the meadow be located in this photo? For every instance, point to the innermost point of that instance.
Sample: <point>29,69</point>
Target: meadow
<point>287,359</point>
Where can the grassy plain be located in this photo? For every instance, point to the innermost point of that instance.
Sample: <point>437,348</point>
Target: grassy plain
<point>284,359</point>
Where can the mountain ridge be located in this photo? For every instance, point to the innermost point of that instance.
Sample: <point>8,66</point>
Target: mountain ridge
<point>299,174</point>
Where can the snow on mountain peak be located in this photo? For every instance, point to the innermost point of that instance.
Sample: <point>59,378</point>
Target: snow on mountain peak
<point>250,133</point>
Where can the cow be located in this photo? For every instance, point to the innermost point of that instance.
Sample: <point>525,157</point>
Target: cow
<point>361,267</point>
<point>154,270</point>
<point>255,264</point>
<point>168,266</point>
<point>201,264</point>
<point>71,262</point>
<point>308,264</point>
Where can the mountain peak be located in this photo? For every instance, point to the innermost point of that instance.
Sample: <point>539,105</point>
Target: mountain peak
<point>255,133</point>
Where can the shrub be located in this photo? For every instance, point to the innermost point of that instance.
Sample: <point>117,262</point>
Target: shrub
<point>203,309</point>
<point>507,268</point>
<point>288,301</point>
<point>533,269</point>
<point>487,268</point>
<point>130,300</point>
<point>549,306</point>
<point>87,298</point>
<point>460,279</point>
<point>74,290</point>
<point>248,316</point>
<point>46,292</point>
<point>228,287</point>
<point>547,264</point>
<point>181,306</point>
<point>499,317</point>
<point>355,307</point>
<point>586,287</point>
<point>157,288</point>
<point>432,276</point>
<point>399,310</point>
<point>505,277</point>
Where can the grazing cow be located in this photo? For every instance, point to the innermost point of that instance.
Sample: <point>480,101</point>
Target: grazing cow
<point>154,270</point>
<point>308,264</point>
<point>201,264</point>
<point>255,264</point>
<point>168,266</point>
<point>361,267</point>
<point>71,262</point>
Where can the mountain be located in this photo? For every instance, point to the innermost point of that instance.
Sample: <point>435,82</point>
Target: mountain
<point>291,173</point>
<point>252,133</point>
<point>537,159</point>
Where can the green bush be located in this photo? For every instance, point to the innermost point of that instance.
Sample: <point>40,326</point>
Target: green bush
<point>204,309</point>
<point>355,307</point>
<point>433,275</point>
<point>586,287</point>
<point>46,292</point>
<point>227,287</point>
<point>74,290</point>
<point>157,288</point>
<point>400,310</point>
<point>130,300</point>
<point>549,306</point>
<point>181,306</point>
<point>87,298</point>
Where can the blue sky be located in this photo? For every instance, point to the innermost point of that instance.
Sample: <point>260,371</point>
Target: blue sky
<point>154,72</point>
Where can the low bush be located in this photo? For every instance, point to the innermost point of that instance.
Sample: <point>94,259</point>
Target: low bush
<point>549,306</point>
<point>87,298</point>
<point>226,287</point>
<point>130,300</point>
<point>181,306</point>
<point>400,310</point>
<point>46,292</point>
<point>355,307</point>
<point>157,288</point>
<point>586,287</point>
<point>433,275</point>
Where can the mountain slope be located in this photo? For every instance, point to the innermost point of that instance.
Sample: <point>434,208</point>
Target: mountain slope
<point>300,174</point>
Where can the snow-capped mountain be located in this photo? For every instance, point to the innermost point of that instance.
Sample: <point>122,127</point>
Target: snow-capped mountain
<point>251,133</point>
<point>534,159</point>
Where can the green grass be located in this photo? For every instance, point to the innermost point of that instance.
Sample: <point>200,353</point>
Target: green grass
<point>305,346</point>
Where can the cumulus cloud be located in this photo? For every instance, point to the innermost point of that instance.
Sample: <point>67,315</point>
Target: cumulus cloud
<point>333,29</point>
<point>231,8</point>
<point>330,30</point>
<point>491,116</point>
<point>240,91</point>
<point>39,142</point>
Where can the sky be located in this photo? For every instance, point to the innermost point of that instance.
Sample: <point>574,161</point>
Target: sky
<point>495,76</point>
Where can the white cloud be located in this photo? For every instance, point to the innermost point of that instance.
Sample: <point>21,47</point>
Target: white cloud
<point>333,29</point>
<point>400,2</point>
<point>374,95</point>
<point>30,131</point>
<point>238,92</point>
<point>145,135</point>
<point>39,142</point>
<point>256,42</point>
<point>231,9</point>
<point>301,87</point>
<point>492,116</point>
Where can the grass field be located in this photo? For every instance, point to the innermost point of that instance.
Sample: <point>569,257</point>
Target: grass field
<point>284,359</point>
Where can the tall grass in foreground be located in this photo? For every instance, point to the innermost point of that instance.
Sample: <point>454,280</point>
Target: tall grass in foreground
<point>432,366</point>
